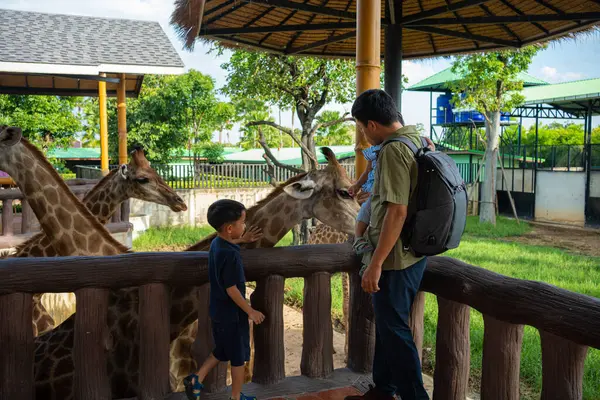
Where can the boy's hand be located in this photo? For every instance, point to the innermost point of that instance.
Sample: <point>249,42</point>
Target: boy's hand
<point>256,316</point>
<point>353,190</point>
<point>252,235</point>
<point>362,197</point>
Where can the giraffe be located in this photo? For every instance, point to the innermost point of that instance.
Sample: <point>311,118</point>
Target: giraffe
<point>321,194</point>
<point>134,180</point>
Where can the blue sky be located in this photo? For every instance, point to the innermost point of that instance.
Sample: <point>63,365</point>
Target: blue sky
<point>562,61</point>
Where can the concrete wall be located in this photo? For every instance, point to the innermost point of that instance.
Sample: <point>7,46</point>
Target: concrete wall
<point>560,197</point>
<point>516,176</point>
<point>144,214</point>
<point>595,184</point>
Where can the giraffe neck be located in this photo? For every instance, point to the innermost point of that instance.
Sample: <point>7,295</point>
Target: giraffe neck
<point>71,228</point>
<point>105,198</point>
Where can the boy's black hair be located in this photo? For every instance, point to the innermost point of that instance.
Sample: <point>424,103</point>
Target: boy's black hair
<point>223,212</point>
<point>376,105</point>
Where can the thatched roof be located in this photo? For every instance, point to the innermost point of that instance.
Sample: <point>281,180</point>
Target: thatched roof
<point>431,28</point>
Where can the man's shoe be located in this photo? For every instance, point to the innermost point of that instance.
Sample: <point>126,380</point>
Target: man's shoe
<point>371,394</point>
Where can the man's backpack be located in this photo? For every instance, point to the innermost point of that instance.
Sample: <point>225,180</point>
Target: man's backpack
<point>437,210</point>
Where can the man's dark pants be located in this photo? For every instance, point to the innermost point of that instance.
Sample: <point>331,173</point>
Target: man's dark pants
<point>396,366</point>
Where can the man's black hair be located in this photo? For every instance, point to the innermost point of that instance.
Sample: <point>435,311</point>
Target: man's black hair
<point>378,106</point>
<point>223,212</point>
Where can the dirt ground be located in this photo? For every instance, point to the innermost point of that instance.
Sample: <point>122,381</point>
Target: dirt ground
<point>573,239</point>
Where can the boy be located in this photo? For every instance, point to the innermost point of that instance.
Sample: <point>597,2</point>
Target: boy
<point>365,184</point>
<point>229,311</point>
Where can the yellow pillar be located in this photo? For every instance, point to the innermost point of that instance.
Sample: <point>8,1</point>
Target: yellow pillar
<point>122,119</point>
<point>368,61</point>
<point>103,126</point>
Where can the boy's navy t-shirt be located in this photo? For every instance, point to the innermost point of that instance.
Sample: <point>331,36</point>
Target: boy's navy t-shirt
<point>225,269</point>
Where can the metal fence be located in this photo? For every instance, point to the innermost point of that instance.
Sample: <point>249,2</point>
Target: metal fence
<point>212,176</point>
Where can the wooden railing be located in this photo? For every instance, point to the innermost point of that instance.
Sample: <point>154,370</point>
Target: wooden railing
<point>568,322</point>
<point>12,232</point>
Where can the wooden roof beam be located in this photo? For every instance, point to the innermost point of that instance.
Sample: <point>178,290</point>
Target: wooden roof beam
<point>494,19</point>
<point>292,5</point>
<point>464,35</point>
<point>506,28</point>
<point>314,45</point>
<point>276,28</point>
<point>441,10</point>
<point>518,11</point>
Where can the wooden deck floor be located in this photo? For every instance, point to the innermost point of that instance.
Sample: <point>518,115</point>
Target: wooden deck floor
<point>343,382</point>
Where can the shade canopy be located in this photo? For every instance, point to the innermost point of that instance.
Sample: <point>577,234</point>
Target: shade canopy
<point>327,28</point>
<point>54,54</point>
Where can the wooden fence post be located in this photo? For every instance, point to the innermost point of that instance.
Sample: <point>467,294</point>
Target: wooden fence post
<point>16,347</point>
<point>416,323</point>
<point>154,341</point>
<point>204,343</point>
<point>452,351</point>
<point>501,359</point>
<point>562,368</point>
<point>317,334</point>
<point>90,345</point>
<point>361,332</point>
<point>269,355</point>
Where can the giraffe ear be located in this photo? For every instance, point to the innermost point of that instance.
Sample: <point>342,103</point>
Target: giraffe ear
<point>10,135</point>
<point>301,190</point>
<point>123,171</point>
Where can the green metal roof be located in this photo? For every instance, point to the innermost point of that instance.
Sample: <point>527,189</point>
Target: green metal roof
<point>439,82</point>
<point>566,95</point>
<point>89,153</point>
<point>286,155</point>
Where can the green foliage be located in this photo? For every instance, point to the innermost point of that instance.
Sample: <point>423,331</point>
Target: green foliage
<point>46,121</point>
<point>420,128</point>
<point>248,110</point>
<point>334,135</point>
<point>171,112</point>
<point>490,80</point>
<point>212,151</point>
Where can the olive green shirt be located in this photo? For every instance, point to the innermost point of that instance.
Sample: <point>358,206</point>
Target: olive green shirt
<point>395,181</point>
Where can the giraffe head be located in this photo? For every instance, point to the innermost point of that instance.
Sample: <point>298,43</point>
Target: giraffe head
<point>324,194</point>
<point>9,136</point>
<point>140,181</point>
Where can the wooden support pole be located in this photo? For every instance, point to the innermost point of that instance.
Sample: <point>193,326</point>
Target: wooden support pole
<point>417,326</point>
<point>269,359</point>
<point>368,64</point>
<point>103,126</point>
<point>16,347</point>
<point>122,119</point>
<point>7,217</point>
<point>90,345</point>
<point>317,334</point>
<point>501,359</point>
<point>361,330</point>
<point>154,341</point>
<point>562,368</point>
<point>204,344</point>
<point>452,351</point>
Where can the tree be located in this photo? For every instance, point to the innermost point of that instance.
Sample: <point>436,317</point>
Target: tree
<point>489,83</point>
<point>225,114</point>
<point>47,121</point>
<point>303,83</point>
<point>333,135</point>
<point>171,112</point>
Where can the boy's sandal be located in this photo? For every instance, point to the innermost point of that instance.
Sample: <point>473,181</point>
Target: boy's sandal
<point>192,387</point>
<point>244,397</point>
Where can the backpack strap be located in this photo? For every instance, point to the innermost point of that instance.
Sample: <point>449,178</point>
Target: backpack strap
<point>408,143</point>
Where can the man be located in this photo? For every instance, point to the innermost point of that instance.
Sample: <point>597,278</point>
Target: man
<point>393,274</point>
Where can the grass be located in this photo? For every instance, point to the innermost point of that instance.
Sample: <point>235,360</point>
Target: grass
<point>480,246</point>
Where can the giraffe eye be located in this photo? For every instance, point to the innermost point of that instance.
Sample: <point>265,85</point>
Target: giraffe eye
<point>344,194</point>
<point>142,180</point>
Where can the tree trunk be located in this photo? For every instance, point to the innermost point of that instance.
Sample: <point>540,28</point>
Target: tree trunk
<point>492,132</point>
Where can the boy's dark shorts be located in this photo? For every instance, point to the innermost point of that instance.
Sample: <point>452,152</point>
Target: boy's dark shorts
<point>232,341</point>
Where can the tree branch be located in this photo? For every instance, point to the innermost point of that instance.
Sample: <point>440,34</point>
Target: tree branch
<point>290,133</point>
<point>270,170</point>
<point>330,123</point>
<point>268,154</point>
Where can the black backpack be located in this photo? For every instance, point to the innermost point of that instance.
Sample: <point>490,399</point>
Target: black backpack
<point>437,210</point>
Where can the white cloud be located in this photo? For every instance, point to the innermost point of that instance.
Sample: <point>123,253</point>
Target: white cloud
<point>552,75</point>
